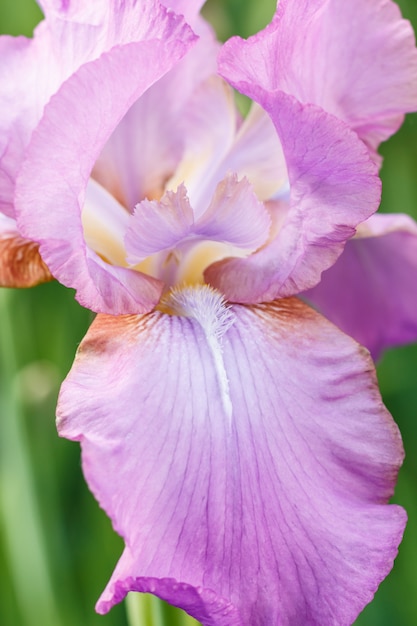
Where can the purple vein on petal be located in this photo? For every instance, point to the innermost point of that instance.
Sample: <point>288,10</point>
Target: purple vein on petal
<point>306,465</point>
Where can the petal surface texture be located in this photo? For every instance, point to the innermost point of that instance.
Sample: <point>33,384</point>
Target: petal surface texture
<point>371,291</point>
<point>235,216</point>
<point>354,59</point>
<point>246,458</point>
<point>145,148</point>
<point>32,70</point>
<point>333,187</point>
<point>106,88</point>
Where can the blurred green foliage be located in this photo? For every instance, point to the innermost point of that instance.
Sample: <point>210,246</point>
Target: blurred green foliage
<point>57,549</point>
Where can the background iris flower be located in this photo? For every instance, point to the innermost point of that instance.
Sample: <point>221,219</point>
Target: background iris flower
<point>242,451</point>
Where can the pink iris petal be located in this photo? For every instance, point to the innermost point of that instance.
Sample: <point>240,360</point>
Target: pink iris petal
<point>188,8</point>
<point>113,23</point>
<point>248,473</point>
<point>217,142</point>
<point>75,126</point>
<point>355,59</point>
<point>32,70</point>
<point>257,154</point>
<point>333,187</point>
<point>17,116</point>
<point>20,262</point>
<point>105,223</point>
<point>157,226</point>
<point>208,125</point>
<point>144,150</point>
<point>235,216</point>
<point>371,291</point>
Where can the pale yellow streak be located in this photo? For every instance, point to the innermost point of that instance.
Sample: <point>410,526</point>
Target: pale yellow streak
<point>201,256</point>
<point>102,240</point>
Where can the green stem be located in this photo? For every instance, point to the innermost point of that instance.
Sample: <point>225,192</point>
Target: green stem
<point>19,516</point>
<point>146,610</point>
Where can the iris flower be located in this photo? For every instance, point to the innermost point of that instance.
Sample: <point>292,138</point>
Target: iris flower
<point>235,437</point>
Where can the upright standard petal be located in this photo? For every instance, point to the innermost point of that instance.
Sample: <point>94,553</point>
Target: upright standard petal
<point>249,466</point>
<point>32,70</point>
<point>145,149</point>
<point>91,102</point>
<point>333,187</point>
<point>355,59</point>
<point>17,116</point>
<point>217,142</point>
<point>188,8</point>
<point>371,291</point>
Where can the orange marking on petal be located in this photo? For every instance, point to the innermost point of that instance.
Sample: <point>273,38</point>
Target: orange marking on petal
<point>21,265</point>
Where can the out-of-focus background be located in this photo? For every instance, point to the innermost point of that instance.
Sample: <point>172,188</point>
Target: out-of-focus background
<point>57,548</point>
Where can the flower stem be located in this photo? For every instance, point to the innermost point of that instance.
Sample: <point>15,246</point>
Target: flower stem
<point>144,609</point>
<point>20,524</point>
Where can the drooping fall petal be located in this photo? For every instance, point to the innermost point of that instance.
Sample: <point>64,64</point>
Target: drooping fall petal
<point>371,291</point>
<point>246,460</point>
